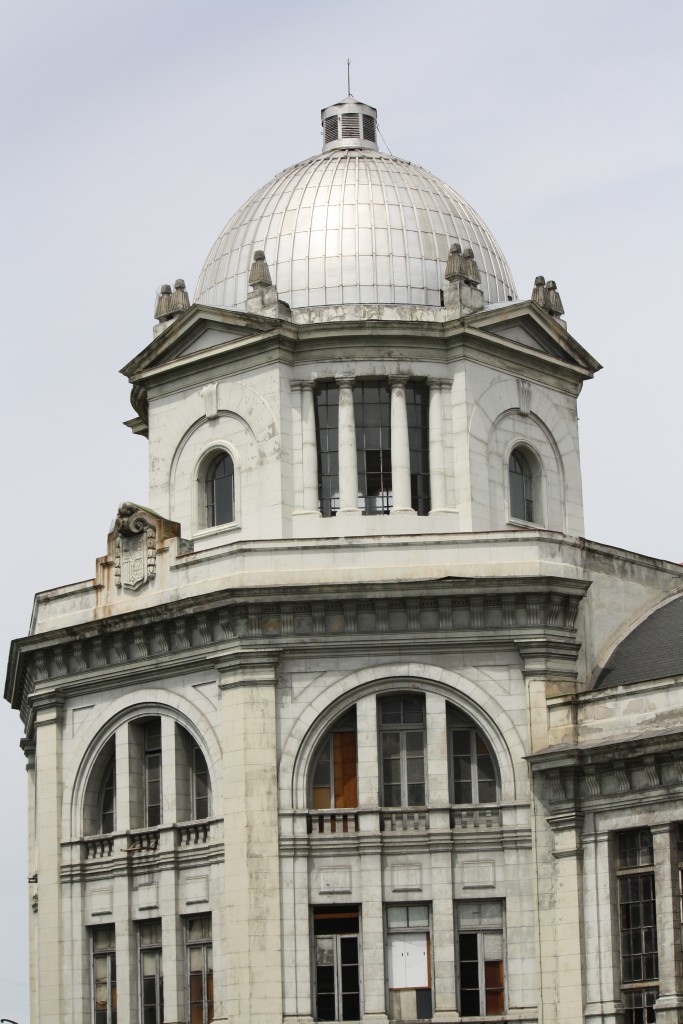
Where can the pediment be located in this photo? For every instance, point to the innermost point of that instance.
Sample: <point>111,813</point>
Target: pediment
<point>200,330</point>
<point>526,324</point>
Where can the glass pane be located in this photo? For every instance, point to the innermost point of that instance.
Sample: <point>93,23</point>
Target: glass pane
<point>397,917</point>
<point>418,916</point>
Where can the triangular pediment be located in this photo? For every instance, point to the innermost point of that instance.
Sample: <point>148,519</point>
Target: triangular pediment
<point>200,330</point>
<point>527,325</point>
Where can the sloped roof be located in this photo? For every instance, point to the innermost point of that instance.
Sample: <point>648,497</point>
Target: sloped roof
<point>653,650</point>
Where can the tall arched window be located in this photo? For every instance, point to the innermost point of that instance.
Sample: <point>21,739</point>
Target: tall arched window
<point>219,491</point>
<point>521,474</point>
<point>107,800</point>
<point>334,782</point>
<point>474,774</point>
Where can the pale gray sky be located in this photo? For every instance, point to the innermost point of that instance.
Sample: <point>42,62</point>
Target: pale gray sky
<point>131,132</point>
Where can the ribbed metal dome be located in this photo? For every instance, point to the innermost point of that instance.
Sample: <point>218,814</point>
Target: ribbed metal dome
<point>351,225</point>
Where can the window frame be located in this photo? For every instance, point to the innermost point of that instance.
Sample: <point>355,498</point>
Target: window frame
<point>107,954</point>
<point>208,459</point>
<point>155,949</point>
<point>345,924</point>
<point>403,729</point>
<point>532,496</point>
<point>108,785</point>
<point>204,942</point>
<point>634,862</point>
<point>479,931</point>
<point>339,779</point>
<point>195,798</point>
<point>400,931</point>
<point>458,721</point>
<point>150,755</point>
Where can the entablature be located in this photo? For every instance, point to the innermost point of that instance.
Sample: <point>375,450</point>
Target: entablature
<point>487,611</point>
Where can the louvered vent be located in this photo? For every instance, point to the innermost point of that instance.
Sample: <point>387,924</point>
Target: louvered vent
<point>331,129</point>
<point>350,126</point>
<point>369,128</point>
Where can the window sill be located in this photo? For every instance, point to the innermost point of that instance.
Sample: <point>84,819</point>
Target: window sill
<point>212,531</point>
<point>523,524</point>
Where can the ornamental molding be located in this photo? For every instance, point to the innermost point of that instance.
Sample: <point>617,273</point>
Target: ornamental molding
<point>538,621</point>
<point>135,550</point>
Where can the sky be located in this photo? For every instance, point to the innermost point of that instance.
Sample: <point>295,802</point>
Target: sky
<point>132,131</point>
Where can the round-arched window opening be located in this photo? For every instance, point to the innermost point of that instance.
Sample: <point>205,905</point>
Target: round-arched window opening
<point>521,487</point>
<point>219,491</point>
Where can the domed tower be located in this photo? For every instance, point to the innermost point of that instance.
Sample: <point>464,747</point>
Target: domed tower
<point>320,741</point>
<point>366,366</point>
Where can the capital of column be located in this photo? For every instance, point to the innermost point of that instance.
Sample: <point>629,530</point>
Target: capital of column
<point>345,380</point>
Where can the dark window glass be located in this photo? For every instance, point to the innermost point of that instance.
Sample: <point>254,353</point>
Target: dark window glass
<point>481,973</point>
<point>108,798</point>
<point>199,969</point>
<point>104,974</point>
<point>151,972</point>
<point>327,429</point>
<point>337,964</point>
<point>402,745</point>
<point>201,785</point>
<point>473,772</point>
<point>638,924</point>
<point>220,491</point>
<point>417,406</point>
<point>521,487</point>
<point>152,772</point>
<point>372,413</point>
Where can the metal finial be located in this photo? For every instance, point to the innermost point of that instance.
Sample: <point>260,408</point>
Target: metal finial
<point>348,75</point>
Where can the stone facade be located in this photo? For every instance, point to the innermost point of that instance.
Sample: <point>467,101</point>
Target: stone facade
<point>351,766</point>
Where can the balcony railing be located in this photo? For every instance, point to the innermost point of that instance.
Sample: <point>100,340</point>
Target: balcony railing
<point>332,822</point>
<point>456,819</point>
<point>179,835</point>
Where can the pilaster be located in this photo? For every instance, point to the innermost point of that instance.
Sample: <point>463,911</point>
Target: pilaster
<point>247,683</point>
<point>49,720</point>
<point>669,1005</point>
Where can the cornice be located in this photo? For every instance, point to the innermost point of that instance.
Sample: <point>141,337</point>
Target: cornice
<point>262,623</point>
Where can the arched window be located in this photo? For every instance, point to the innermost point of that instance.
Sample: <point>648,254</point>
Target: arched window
<point>107,800</point>
<point>99,803</point>
<point>334,778</point>
<point>521,472</point>
<point>219,491</point>
<point>402,725</point>
<point>156,755</point>
<point>473,770</point>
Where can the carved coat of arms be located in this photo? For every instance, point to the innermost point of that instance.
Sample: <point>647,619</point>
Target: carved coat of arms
<point>135,548</point>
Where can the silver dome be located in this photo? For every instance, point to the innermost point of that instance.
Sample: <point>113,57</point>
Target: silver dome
<point>351,225</point>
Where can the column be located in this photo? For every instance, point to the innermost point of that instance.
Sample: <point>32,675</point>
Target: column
<point>247,685</point>
<point>48,835</point>
<point>348,458</point>
<point>296,944</point>
<point>437,461</point>
<point>30,752</point>
<point>601,932</point>
<point>124,789</point>
<point>560,910</point>
<point>443,937</point>
<point>400,449</point>
<point>374,994</point>
<point>669,1004</point>
<point>297,469</point>
<point>309,449</point>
